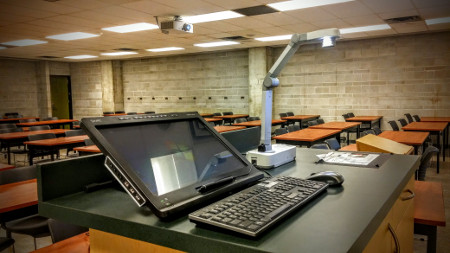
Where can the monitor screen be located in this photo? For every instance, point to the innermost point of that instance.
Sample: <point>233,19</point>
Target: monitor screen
<point>168,156</point>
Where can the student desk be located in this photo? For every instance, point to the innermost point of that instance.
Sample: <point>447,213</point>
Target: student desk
<point>429,211</point>
<point>371,120</point>
<point>342,126</point>
<point>439,119</point>
<point>75,244</point>
<point>415,139</point>
<point>6,166</point>
<point>230,118</point>
<point>255,123</point>
<point>11,139</point>
<point>436,128</point>
<point>307,136</point>
<point>57,122</point>
<point>54,144</point>
<point>91,149</point>
<point>16,120</point>
<point>222,129</point>
<point>18,195</point>
<point>343,219</point>
<point>300,118</point>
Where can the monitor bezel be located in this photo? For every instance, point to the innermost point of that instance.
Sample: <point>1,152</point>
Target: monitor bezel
<point>177,199</point>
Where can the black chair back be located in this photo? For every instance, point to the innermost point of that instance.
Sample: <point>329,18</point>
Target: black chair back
<point>149,112</point>
<point>351,115</point>
<point>74,132</point>
<point>345,115</point>
<point>4,126</point>
<point>50,118</point>
<point>227,113</point>
<point>26,120</point>
<point>293,128</point>
<point>377,130</point>
<point>290,113</point>
<point>61,230</point>
<point>425,161</point>
<point>333,143</point>
<point>280,131</point>
<point>18,174</point>
<point>132,113</point>
<point>283,114</point>
<point>217,114</point>
<point>409,117</point>
<point>36,128</point>
<point>320,121</point>
<point>108,112</point>
<point>403,122</point>
<point>253,118</point>
<point>320,146</point>
<point>417,118</point>
<point>394,125</point>
<point>119,112</point>
<point>312,123</point>
<point>239,120</point>
<point>36,137</point>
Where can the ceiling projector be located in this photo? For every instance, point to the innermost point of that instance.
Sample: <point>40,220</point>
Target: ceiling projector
<point>176,26</point>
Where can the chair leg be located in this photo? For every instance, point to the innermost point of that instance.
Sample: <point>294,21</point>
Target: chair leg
<point>35,246</point>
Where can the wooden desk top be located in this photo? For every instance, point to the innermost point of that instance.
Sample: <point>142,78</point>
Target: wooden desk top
<point>75,244</point>
<point>364,118</point>
<point>212,119</point>
<point>20,135</point>
<point>300,117</point>
<point>408,138</point>
<point>435,119</point>
<point>88,149</point>
<point>425,126</point>
<point>17,119</point>
<point>336,125</point>
<point>47,122</point>
<point>234,116</point>
<point>222,129</point>
<point>351,147</point>
<point>205,114</point>
<point>115,114</point>
<point>254,123</point>
<point>429,203</point>
<point>18,195</point>
<point>57,141</point>
<point>6,166</point>
<point>307,134</point>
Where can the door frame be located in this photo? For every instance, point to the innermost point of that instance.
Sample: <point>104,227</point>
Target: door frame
<point>69,91</point>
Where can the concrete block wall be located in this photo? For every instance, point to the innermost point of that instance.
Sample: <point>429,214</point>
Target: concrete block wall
<point>18,87</point>
<point>86,89</point>
<point>212,82</point>
<point>385,76</point>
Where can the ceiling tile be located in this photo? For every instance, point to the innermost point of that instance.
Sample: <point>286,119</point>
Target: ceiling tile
<point>380,6</point>
<point>410,27</point>
<point>364,20</point>
<point>311,14</point>
<point>348,9</point>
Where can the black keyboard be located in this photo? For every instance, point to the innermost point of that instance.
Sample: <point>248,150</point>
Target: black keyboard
<point>255,209</point>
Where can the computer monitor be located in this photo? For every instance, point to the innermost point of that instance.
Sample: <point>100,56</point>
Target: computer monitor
<point>169,162</point>
<point>244,139</point>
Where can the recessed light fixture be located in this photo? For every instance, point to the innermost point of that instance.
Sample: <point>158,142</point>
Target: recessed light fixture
<point>216,44</point>
<point>303,4</point>
<point>221,15</point>
<point>118,53</point>
<point>131,28</point>
<point>78,57</point>
<point>23,43</point>
<point>275,38</point>
<point>72,36</point>
<point>364,28</point>
<point>435,21</point>
<point>164,49</point>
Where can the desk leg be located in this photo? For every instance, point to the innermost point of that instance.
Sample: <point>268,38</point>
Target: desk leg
<point>348,137</point>
<point>8,151</point>
<point>440,150</point>
<point>430,232</point>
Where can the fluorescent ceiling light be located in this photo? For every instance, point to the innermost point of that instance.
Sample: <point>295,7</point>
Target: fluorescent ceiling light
<point>164,49</point>
<point>23,43</point>
<point>78,57</point>
<point>2,47</point>
<point>216,44</point>
<point>435,21</point>
<point>118,53</point>
<point>221,15</point>
<point>364,29</point>
<point>303,4</point>
<point>72,36</point>
<point>131,28</point>
<point>275,38</point>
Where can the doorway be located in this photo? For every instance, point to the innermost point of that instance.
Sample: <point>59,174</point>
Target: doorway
<point>61,97</point>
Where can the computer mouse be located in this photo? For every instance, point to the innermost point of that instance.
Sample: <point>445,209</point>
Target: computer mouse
<point>332,178</point>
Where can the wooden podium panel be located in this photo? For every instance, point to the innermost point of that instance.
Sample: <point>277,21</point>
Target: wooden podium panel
<point>373,143</point>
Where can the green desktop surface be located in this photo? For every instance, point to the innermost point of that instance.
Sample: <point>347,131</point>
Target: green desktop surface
<point>341,220</point>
